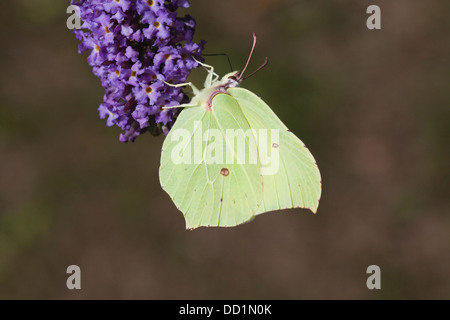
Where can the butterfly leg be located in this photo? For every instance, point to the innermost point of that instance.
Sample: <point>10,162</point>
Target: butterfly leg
<point>190,84</point>
<point>212,76</point>
<point>187,105</point>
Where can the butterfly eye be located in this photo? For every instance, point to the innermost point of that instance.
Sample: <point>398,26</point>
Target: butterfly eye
<point>235,76</point>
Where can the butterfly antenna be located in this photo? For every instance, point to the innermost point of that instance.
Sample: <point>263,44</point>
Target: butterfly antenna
<point>249,57</point>
<point>241,78</point>
<point>262,66</point>
<point>220,54</point>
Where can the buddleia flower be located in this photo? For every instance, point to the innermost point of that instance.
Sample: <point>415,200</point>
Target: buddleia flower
<point>135,47</point>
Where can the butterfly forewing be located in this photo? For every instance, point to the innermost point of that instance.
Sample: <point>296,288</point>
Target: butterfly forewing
<point>297,181</point>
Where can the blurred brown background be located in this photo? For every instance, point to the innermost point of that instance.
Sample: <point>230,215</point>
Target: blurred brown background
<point>372,106</point>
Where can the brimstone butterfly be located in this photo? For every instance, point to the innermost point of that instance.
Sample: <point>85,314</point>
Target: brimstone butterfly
<point>228,158</point>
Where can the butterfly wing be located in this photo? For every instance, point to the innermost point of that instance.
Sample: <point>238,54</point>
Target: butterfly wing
<point>297,182</point>
<point>202,173</point>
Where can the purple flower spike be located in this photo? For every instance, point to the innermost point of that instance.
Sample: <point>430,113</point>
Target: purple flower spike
<point>134,46</point>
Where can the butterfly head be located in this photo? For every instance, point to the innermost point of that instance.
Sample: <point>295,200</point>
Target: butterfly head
<point>232,79</point>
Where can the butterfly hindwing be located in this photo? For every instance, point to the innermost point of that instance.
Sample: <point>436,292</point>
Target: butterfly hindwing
<point>207,187</point>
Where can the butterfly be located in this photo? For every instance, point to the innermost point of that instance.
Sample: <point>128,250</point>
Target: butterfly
<point>229,158</point>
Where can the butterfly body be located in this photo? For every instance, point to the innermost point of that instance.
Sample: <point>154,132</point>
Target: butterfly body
<point>212,88</point>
